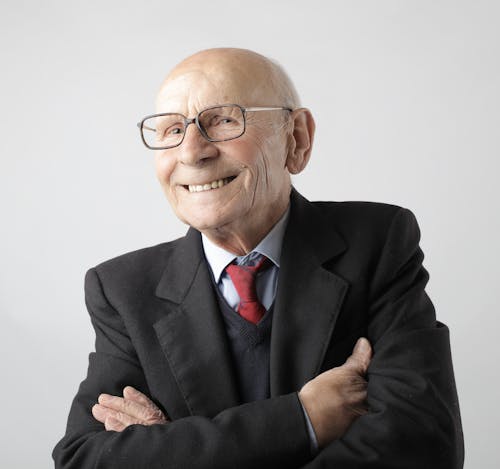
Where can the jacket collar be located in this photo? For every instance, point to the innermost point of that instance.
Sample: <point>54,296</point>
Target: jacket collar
<point>309,296</point>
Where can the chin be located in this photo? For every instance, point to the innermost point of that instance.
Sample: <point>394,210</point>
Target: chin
<point>204,222</point>
<point>213,221</point>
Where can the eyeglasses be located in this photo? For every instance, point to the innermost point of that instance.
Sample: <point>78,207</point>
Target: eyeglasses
<point>216,124</point>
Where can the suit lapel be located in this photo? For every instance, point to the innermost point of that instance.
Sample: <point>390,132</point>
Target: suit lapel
<point>308,299</point>
<point>192,333</point>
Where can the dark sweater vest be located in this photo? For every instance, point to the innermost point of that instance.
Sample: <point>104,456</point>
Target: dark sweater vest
<point>250,347</point>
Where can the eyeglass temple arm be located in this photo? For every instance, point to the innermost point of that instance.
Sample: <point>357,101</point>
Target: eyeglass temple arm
<point>144,127</point>
<point>274,108</point>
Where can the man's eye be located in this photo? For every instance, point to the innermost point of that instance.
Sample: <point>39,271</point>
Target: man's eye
<point>222,120</point>
<point>173,131</point>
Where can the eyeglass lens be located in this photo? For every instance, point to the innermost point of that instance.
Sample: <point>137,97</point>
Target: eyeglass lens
<point>219,123</point>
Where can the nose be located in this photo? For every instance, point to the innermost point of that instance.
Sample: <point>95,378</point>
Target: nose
<point>195,148</point>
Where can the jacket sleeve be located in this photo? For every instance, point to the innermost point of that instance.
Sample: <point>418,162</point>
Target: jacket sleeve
<point>263,434</point>
<point>414,418</point>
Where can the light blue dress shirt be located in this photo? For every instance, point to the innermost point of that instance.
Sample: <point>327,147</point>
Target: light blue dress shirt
<point>266,282</point>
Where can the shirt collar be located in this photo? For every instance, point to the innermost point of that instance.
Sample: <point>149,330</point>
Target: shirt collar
<point>218,258</point>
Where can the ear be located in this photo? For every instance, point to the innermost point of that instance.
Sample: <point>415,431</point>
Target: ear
<point>300,140</point>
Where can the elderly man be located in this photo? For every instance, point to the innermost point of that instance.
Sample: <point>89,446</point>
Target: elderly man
<point>248,343</point>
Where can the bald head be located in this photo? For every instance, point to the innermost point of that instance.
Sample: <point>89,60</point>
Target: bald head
<point>227,75</point>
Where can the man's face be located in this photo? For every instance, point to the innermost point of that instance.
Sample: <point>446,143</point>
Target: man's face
<point>253,183</point>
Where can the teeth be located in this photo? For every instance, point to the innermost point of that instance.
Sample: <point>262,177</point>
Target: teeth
<point>209,186</point>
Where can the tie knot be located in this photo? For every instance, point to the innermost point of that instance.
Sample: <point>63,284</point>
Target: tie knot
<point>259,264</point>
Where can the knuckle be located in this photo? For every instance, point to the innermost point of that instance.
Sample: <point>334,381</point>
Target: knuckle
<point>154,415</point>
<point>158,415</point>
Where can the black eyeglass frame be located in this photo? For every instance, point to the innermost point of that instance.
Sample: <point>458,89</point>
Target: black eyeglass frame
<point>195,120</point>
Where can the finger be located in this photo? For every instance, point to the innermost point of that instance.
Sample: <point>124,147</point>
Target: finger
<point>129,392</point>
<point>122,405</point>
<point>112,424</point>
<point>133,394</point>
<point>361,356</point>
<point>100,413</point>
<point>145,415</point>
<point>110,402</point>
<point>155,415</point>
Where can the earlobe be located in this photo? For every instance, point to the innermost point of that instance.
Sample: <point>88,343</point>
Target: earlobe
<point>301,140</point>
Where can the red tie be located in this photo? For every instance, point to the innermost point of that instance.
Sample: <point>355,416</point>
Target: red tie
<point>243,277</point>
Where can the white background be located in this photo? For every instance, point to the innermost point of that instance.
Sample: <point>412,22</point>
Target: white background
<point>407,102</point>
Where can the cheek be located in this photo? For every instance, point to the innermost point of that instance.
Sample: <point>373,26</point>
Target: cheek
<point>164,166</point>
<point>253,153</point>
<point>270,166</point>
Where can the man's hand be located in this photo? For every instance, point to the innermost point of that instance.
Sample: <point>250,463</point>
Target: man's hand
<point>117,413</point>
<point>335,398</point>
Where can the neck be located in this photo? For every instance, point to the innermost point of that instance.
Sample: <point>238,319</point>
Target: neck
<point>242,240</point>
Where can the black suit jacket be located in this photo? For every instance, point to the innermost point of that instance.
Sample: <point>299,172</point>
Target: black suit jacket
<point>348,269</point>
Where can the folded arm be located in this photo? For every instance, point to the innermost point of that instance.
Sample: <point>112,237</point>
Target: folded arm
<point>413,419</point>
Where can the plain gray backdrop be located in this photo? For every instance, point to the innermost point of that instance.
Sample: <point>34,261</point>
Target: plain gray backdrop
<point>406,99</point>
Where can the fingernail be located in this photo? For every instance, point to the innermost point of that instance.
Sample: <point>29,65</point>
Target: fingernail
<point>96,408</point>
<point>104,398</point>
<point>362,346</point>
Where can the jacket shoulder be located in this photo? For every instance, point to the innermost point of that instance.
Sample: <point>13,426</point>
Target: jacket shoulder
<point>145,263</point>
<point>359,210</point>
<point>368,222</point>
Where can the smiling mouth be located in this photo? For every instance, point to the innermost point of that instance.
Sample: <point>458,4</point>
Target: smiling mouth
<point>210,185</point>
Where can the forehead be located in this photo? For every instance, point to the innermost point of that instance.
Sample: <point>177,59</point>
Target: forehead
<point>192,90</point>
